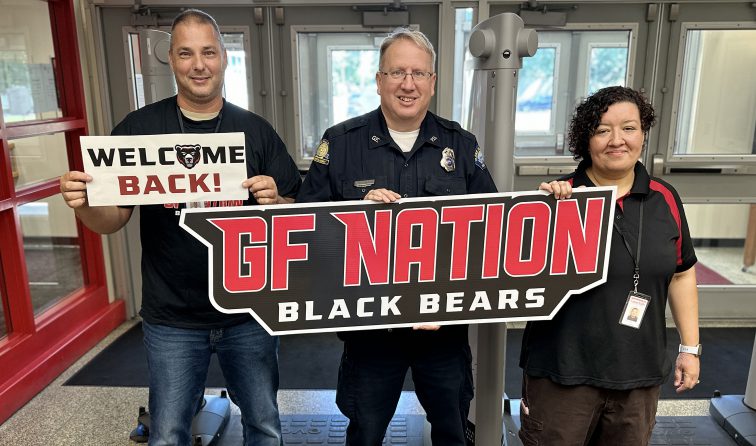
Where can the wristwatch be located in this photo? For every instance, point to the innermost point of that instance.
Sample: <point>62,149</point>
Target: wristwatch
<point>692,349</point>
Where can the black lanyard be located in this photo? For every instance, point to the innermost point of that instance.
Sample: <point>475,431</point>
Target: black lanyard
<point>636,257</point>
<point>181,119</point>
<point>181,124</point>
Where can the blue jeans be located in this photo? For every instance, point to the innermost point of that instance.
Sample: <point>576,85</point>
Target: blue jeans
<point>178,359</point>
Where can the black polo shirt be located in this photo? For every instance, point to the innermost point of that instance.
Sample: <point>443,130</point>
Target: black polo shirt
<point>174,263</point>
<point>359,154</point>
<point>585,343</point>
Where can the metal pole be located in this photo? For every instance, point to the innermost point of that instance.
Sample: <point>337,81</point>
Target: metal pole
<point>498,45</point>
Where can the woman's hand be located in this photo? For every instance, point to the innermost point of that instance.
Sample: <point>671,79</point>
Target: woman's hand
<point>687,368</point>
<point>560,189</point>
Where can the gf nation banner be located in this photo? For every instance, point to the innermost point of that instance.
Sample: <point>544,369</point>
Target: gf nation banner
<point>448,260</point>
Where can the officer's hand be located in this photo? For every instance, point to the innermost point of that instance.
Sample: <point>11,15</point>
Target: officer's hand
<point>560,189</point>
<point>382,195</point>
<point>73,188</point>
<point>427,327</point>
<point>264,189</point>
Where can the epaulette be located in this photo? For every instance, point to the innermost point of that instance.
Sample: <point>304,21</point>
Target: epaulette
<point>455,127</point>
<point>347,126</point>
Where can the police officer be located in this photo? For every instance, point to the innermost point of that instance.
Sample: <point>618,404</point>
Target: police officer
<point>401,150</point>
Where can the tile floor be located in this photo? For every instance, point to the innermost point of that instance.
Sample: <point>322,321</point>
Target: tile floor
<point>104,416</point>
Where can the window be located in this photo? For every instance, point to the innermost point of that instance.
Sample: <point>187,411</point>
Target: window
<point>135,62</point>
<point>463,64</point>
<point>535,93</point>
<point>717,103</point>
<point>568,66</point>
<point>38,158</point>
<point>352,82</point>
<point>235,87</point>
<point>52,280</point>
<point>28,90</point>
<point>608,67</point>
<point>335,77</point>
<point>151,75</point>
<point>724,236</point>
<point>51,250</point>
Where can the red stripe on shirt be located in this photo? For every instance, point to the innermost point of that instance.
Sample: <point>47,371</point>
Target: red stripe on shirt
<point>670,199</point>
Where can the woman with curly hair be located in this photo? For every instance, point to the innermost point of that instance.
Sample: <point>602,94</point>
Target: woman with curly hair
<point>593,374</point>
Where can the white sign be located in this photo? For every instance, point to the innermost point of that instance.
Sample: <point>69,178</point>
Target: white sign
<point>156,169</point>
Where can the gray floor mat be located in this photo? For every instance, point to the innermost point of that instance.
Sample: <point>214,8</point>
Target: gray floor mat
<point>405,430</point>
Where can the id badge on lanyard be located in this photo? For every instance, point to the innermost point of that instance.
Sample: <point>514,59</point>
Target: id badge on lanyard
<point>637,302</point>
<point>635,309</point>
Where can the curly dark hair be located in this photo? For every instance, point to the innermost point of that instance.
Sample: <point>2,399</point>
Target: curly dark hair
<point>588,115</point>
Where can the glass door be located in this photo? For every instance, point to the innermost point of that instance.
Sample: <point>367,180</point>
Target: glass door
<point>52,281</point>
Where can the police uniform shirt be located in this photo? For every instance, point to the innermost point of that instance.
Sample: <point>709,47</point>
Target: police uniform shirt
<point>174,263</point>
<point>584,343</point>
<point>359,155</point>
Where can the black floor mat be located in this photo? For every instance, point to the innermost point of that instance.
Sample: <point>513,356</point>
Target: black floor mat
<point>312,361</point>
<point>305,362</point>
<point>405,430</point>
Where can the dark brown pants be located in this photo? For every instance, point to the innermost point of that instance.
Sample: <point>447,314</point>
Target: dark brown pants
<point>585,415</point>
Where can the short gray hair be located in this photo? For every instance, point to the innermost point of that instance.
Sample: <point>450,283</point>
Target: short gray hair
<point>416,37</point>
<point>197,16</point>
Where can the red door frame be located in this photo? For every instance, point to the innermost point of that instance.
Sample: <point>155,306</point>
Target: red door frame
<point>38,349</point>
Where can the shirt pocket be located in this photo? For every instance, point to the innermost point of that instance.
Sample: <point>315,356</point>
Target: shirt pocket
<point>357,188</point>
<point>445,186</point>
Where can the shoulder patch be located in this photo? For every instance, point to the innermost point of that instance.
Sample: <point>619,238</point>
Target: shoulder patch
<point>321,154</point>
<point>479,161</point>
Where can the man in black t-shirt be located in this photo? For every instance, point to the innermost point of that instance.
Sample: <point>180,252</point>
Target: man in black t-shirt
<point>181,327</point>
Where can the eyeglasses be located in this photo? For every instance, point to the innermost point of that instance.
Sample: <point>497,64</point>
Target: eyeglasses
<point>417,76</point>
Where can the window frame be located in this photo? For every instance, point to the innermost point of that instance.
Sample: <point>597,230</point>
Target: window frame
<point>675,161</point>
<point>77,321</point>
<point>563,110</point>
<point>302,162</point>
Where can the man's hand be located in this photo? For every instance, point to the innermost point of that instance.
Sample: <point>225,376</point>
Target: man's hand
<point>73,188</point>
<point>264,189</point>
<point>427,327</point>
<point>382,196</point>
<point>100,219</point>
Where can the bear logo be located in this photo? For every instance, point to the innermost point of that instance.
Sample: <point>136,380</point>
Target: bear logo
<point>188,156</point>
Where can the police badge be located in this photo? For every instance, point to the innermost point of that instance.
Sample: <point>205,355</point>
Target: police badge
<point>321,154</point>
<point>447,159</point>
